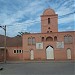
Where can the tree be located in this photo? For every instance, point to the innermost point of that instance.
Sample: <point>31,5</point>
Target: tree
<point>21,33</point>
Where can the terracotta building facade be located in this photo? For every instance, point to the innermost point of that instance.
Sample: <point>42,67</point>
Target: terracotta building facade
<point>49,44</point>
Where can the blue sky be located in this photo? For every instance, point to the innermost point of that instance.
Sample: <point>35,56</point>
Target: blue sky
<point>24,15</point>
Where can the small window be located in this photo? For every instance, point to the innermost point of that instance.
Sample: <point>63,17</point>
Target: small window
<point>20,51</point>
<point>48,20</point>
<point>42,38</point>
<point>17,51</point>
<point>14,51</point>
<point>48,27</point>
<point>55,38</point>
<point>47,31</point>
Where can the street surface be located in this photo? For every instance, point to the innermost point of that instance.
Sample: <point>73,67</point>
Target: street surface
<point>38,68</point>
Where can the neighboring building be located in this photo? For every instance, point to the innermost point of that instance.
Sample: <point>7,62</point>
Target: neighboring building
<point>13,50</point>
<point>49,44</point>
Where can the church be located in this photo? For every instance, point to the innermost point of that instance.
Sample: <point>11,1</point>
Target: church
<point>49,44</point>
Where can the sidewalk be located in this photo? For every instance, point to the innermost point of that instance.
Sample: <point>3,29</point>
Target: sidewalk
<point>34,61</point>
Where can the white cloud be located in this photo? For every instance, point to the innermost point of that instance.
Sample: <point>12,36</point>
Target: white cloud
<point>68,19</point>
<point>32,10</point>
<point>69,28</point>
<point>63,11</point>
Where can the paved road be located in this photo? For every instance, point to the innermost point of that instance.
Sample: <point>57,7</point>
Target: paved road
<point>44,68</point>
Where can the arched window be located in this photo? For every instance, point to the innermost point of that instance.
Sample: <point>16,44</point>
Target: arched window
<point>68,39</point>
<point>55,38</point>
<point>48,20</point>
<point>49,28</point>
<point>33,40</point>
<point>42,38</point>
<point>49,39</point>
<point>29,41</point>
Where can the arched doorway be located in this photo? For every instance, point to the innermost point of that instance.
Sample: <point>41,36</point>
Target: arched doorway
<point>49,52</point>
<point>32,55</point>
<point>68,53</point>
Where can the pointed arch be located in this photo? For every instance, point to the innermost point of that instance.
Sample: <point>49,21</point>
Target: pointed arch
<point>55,38</point>
<point>33,40</point>
<point>49,52</point>
<point>29,41</point>
<point>68,39</point>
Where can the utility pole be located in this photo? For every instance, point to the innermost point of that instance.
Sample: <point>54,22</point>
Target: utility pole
<point>4,28</point>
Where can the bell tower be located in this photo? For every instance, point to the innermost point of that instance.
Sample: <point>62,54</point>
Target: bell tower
<point>49,21</point>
